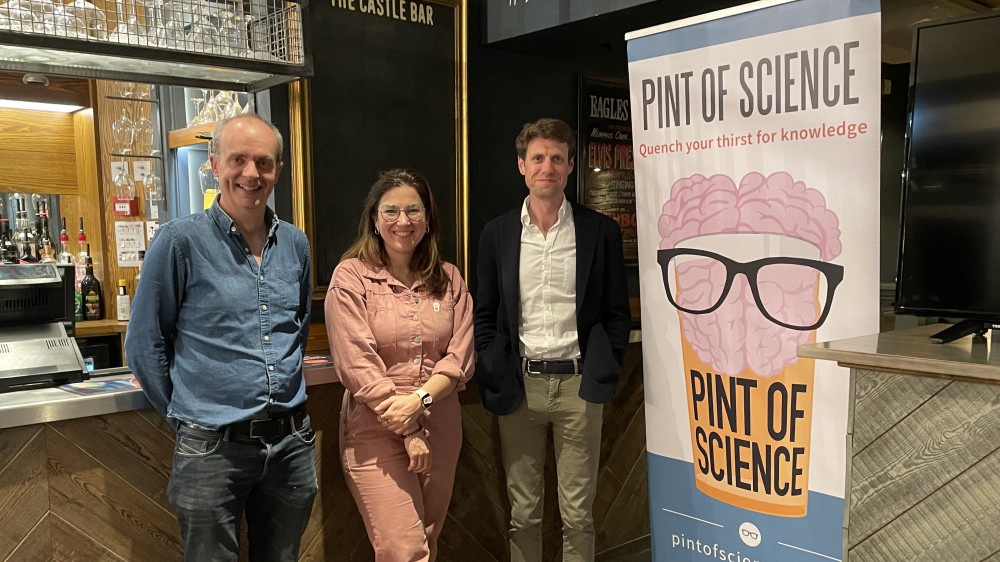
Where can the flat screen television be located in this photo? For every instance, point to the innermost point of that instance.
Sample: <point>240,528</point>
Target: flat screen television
<point>949,247</point>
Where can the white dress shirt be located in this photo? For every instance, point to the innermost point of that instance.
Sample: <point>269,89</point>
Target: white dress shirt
<point>547,275</point>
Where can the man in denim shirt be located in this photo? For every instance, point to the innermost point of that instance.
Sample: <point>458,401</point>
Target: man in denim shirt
<point>218,330</point>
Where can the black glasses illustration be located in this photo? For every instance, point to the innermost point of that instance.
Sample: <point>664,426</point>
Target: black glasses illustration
<point>783,274</point>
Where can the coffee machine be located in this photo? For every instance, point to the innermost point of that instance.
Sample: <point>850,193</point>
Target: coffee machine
<point>37,318</point>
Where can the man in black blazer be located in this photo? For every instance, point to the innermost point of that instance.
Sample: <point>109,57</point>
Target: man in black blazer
<point>552,321</point>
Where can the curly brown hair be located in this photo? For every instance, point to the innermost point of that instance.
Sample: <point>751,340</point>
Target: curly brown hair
<point>369,246</point>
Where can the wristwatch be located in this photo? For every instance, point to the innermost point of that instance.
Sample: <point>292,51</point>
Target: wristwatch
<point>425,398</point>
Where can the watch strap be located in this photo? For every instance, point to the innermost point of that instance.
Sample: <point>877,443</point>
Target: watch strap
<point>425,398</point>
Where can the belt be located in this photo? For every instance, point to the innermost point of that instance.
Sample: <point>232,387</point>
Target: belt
<point>272,427</point>
<point>543,367</point>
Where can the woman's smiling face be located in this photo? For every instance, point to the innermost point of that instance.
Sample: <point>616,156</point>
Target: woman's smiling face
<point>402,236</point>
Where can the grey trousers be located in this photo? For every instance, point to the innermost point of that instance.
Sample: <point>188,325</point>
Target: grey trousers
<point>576,431</point>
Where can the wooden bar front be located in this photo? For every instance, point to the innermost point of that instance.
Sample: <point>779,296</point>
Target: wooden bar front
<point>923,446</point>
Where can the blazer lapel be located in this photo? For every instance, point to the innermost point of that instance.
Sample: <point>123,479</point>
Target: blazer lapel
<point>510,259</point>
<point>586,243</point>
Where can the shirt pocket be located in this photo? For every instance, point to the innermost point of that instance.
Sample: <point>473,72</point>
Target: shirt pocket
<point>288,288</point>
<point>442,320</point>
<point>382,316</point>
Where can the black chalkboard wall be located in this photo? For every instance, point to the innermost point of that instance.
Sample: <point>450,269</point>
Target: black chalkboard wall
<point>384,95</point>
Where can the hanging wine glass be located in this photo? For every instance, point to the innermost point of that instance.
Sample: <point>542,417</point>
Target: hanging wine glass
<point>152,185</point>
<point>124,184</point>
<point>223,105</point>
<point>209,183</point>
<point>206,177</point>
<point>249,108</point>
<point>123,130</point>
<point>196,120</point>
<point>142,135</point>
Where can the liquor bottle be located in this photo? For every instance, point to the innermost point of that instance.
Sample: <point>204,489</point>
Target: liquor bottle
<point>47,254</point>
<point>65,256</point>
<point>36,232</point>
<point>81,256</point>
<point>27,252</point>
<point>8,251</point>
<point>122,301</point>
<point>90,288</point>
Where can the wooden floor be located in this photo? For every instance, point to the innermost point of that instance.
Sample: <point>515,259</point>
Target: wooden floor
<point>95,488</point>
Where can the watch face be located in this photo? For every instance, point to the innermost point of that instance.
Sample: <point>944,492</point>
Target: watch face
<point>427,400</point>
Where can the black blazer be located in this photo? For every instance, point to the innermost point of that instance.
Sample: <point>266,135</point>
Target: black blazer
<point>603,317</point>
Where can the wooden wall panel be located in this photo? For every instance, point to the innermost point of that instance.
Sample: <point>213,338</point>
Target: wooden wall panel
<point>923,482</point>
<point>37,153</point>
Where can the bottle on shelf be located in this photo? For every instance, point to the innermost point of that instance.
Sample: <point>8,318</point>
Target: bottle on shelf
<point>81,256</point>
<point>8,251</point>
<point>22,230</point>
<point>47,254</point>
<point>65,256</point>
<point>123,302</point>
<point>27,251</point>
<point>36,232</point>
<point>90,288</point>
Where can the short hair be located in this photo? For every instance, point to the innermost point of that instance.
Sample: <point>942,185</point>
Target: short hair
<point>546,128</point>
<point>369,246</point>
<point>220,127</point>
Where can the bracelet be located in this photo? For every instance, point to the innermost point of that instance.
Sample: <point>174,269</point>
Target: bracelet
<point>414,432</point>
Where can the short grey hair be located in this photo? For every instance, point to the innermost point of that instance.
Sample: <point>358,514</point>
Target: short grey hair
<point>221,125</point>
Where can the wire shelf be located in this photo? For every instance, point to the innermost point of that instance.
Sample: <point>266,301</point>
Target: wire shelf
<point>264,30</point>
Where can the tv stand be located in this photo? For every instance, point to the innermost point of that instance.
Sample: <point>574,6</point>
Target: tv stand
<point>960,330</point>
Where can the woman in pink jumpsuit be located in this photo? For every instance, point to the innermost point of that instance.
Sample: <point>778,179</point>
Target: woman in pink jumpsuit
<point>400,326</point>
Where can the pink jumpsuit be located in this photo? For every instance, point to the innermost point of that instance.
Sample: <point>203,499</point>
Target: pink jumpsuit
<point>387,339</point>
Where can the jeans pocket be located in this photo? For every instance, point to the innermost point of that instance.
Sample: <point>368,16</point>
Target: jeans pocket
<point>305,432</point>
<point>196,441</point>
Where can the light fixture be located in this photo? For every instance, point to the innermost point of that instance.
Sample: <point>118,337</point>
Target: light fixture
<point>39,106</point>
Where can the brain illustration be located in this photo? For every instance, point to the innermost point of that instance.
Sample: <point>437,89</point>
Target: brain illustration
<point>737,336</point>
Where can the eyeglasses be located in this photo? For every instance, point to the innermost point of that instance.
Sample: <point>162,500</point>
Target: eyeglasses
<point>390,213</point>
<point>794,293</point>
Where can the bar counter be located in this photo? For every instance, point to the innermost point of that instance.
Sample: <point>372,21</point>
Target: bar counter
<point>43,405</point>
<point>923,446</point>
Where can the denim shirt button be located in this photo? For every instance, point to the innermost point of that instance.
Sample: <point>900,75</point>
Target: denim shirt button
<point>246,249</point>
<point>270,367</point>
<point>416,339</point>
<point>267,338</point>
<point>232,229</point>
<point>263,307</point>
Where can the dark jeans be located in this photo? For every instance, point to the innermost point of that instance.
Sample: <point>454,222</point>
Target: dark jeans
<point>215,481</point>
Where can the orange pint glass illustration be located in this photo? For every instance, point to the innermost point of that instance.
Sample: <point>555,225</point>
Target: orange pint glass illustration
<point>747,267</point>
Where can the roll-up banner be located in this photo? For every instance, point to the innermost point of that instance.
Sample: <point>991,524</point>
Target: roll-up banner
<point>756,146</point>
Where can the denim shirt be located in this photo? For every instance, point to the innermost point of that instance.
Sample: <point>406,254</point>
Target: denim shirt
<point>214,338</point>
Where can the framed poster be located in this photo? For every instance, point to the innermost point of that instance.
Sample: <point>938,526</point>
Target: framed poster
<point>604,162</point>
<point>388,91</point>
